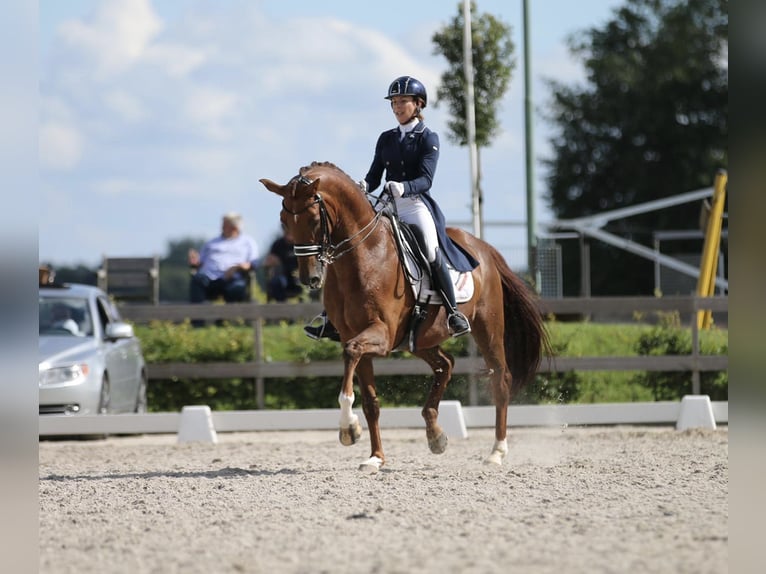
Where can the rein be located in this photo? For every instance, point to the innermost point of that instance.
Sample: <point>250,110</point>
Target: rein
<point>325,251</point>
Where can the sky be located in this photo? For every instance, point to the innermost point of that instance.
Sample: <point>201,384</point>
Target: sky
<point>156,117</point>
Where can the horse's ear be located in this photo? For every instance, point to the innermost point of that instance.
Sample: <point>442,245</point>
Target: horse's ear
<point>313,186</point>
<point>273,187</point>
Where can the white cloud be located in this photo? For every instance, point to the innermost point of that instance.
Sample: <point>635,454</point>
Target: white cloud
<point>125,105</point>
<point>60,146</point>
<point>118,35</point>
<point>208,108</point>
<point>176,59</point>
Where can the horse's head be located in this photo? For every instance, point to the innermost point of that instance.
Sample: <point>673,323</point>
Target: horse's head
<point>304,215</point>
<point>326,211</point>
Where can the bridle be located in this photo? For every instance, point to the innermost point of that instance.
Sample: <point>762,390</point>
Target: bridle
<point>325,251</point>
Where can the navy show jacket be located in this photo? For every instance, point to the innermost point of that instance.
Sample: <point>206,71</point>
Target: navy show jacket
<point>412,161</point>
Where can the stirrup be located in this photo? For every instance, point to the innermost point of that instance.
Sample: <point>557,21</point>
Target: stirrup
<point>325,330</point>
<point>458,324</point>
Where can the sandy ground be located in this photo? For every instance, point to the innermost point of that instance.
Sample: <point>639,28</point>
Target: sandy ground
<point>574,500</point>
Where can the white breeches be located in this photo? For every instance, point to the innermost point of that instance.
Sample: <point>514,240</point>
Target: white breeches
<point>413,210</point>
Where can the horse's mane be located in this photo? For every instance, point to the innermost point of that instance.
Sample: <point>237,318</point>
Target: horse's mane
<point>329,171</point>
<point>322,164</point>
<point>314,164</point>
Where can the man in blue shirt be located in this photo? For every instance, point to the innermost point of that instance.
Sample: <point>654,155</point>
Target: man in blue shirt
<point>223,264</point>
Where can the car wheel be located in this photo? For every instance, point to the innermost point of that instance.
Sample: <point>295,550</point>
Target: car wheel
<point>105,397</point>
<point>141,397</point>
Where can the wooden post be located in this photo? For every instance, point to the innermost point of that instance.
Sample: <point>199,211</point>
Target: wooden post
<point>258,344</point>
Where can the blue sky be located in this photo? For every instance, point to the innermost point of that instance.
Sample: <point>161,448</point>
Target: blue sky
<point>158,116</point>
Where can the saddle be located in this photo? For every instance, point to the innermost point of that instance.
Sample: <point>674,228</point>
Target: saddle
<point>418,273</point>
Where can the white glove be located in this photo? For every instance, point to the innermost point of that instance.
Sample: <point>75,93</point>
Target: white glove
<point>363,185</point>
<point>395,188</point>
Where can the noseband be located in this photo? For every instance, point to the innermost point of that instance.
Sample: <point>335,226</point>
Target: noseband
<point>326,252</point>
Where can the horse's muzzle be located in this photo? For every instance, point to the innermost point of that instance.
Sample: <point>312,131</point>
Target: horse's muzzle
<point>315,282</point>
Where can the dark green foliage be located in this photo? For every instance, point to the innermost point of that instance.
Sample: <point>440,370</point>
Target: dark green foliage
<point>552,387</point>
<point>650,122</point>
<point>669,338</point>
<point>175,271</point>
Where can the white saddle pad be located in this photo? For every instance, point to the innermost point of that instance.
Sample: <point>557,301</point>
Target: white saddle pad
<point>462,282</point>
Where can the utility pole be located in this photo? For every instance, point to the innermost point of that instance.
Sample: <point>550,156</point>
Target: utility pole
<point>471,120</point>
<point>534,272</point>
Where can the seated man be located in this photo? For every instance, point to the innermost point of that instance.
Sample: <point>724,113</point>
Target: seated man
<point>223,264</point>
<point>282,265</point>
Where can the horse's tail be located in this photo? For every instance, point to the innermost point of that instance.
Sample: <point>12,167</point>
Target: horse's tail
<point>526,338</point>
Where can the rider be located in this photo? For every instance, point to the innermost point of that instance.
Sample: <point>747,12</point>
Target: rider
<point>409,154</point>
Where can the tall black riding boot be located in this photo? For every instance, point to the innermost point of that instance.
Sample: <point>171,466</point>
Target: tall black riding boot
<point>458,323</point>
<point>325,330</point>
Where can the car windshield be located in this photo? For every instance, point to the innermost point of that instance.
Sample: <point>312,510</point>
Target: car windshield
<point>65,316</point>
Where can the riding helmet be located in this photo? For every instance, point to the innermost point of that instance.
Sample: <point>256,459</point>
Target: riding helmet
<point>407,86</point>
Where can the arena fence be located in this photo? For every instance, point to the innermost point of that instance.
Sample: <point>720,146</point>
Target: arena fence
<point>593,308</point>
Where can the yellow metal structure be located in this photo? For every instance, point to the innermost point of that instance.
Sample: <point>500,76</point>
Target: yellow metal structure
<point>711,249</point>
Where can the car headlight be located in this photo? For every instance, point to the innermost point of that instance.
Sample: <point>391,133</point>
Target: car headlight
<point>68,374</point>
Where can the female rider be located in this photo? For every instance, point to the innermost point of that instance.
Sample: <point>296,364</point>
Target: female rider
<point>408,154</point>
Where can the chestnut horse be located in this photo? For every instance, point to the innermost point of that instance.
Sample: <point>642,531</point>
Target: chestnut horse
<point>346,247</point>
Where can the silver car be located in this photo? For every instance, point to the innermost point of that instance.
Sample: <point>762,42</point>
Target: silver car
<point>90,360</point>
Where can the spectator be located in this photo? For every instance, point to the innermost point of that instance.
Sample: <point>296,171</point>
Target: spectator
<point>223,264</point>
<point>282,269</point>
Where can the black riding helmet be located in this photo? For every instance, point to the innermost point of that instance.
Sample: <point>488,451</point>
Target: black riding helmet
<point>407,86</point>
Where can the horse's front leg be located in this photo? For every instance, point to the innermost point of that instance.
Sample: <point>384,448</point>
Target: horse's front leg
<point>350,429</point>
<point>441,363</point>
<point>357,355</point>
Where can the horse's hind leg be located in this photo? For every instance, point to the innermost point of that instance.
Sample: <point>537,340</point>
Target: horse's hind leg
<point>491,348</point>
<point>501,391</point>
<point>441,363</point>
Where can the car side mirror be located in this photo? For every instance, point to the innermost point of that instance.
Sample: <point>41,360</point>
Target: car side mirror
<point>119,331</point>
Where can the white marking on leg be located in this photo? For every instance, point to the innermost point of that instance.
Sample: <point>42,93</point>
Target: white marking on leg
<point>499,452</point>
<point>371,465</point>
<point>347,417</point>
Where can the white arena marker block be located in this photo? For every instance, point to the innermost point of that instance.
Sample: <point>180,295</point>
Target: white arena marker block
<point>196,425</point>
<point>451,419</point>
<point>696,412</point>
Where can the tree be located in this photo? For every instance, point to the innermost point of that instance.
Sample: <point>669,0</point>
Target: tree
<point>651,122</point>
<point>492,54</point>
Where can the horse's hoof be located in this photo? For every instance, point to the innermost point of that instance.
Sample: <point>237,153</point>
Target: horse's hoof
<point>499,452</point>
<point>351,434</point>
<point>371,465</point>
<point>439,444</point>
<point>495,459</point>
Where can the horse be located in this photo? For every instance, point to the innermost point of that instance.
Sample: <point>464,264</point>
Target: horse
<point>347,249</point>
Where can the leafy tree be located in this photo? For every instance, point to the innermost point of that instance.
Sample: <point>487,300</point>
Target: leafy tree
<point>493,61</point>
<point>651,122</point>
